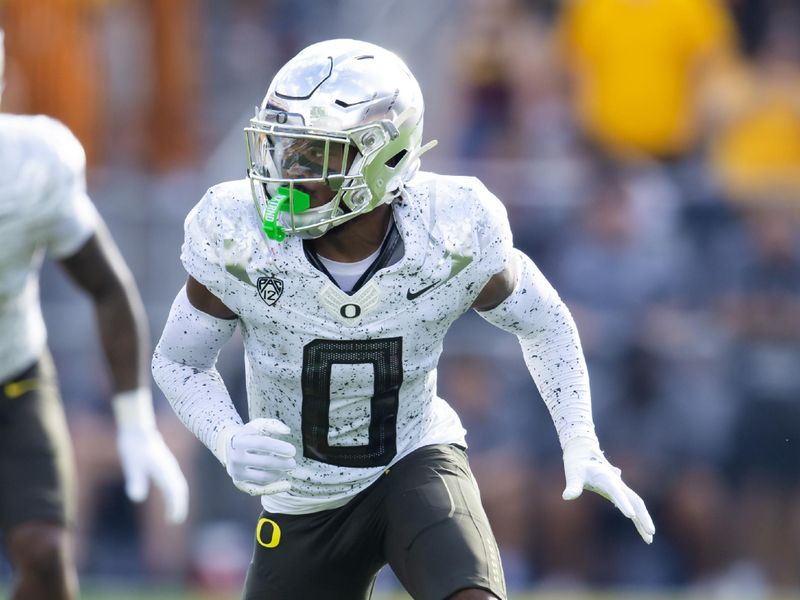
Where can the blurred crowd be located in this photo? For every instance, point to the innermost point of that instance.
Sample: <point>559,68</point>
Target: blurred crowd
<point>648,152</point>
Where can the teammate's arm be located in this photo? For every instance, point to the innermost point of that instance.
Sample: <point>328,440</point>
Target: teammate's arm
<point>99,270</point>
<point>184,367</point>
<point>520,300</point>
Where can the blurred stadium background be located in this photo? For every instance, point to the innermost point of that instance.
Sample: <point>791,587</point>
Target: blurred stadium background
<point>648,152</point>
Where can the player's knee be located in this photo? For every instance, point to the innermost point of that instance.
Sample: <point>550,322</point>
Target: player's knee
<point>39,551</point>
<point>472,594</point>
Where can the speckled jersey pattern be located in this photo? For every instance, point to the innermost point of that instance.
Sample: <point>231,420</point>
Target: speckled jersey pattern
<point>353,376</point>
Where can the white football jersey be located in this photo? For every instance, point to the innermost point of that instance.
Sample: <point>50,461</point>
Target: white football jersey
<point>43,210</point>
<point>352,375</point>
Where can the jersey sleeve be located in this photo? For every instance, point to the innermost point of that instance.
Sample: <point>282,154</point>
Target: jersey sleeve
<point>495,241</point>
<point>202,253</point>
<point>72,217</point>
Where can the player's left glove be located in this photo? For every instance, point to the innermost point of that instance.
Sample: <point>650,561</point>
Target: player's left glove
<point>586,467</point>
<point>144,455</point>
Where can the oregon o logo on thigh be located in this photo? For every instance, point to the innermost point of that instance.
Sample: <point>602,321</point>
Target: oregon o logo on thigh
<point>276,533</point>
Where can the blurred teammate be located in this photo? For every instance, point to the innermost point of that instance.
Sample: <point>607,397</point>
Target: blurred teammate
<point>344,266</point>
<point>44,209</point>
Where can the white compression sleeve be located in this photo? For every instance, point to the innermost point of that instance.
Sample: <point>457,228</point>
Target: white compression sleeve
<point>551,347</point>
<point>184,368</point>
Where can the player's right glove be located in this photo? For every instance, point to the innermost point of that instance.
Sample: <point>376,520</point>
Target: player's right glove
<point>586,468</point>
<point>258,462</point>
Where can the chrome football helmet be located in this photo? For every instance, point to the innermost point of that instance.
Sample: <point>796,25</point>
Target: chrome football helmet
<point>344,113</point>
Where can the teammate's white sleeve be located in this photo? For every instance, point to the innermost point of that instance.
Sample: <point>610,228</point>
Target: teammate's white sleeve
<point>72,218</point>
<point>71,225</point>
<point>184,368</point>
<point>551,347</point>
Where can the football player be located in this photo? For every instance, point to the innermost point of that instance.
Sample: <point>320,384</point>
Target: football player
<point>44,210</point>
<point>344,265</point>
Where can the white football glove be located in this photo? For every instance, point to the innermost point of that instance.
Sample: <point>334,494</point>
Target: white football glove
<point>144,455</point>
<point>585,467</point>
<point>257,461</point>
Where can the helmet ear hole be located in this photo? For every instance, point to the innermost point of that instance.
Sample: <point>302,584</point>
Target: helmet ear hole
<point>395,160</point>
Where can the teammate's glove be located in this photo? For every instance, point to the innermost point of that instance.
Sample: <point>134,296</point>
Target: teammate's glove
<point>257,461</point>
<point>144,455</point>
<point>585,467</point>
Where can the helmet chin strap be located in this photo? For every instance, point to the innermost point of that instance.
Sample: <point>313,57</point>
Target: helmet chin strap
<point>423,149</point>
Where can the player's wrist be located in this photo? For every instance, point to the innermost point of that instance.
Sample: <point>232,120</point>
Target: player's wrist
<point>134,409</point>
<point>223,442</point>
<point>582,447</point>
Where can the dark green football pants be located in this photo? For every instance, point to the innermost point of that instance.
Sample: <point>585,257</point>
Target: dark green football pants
<point>423,517</point>
<point>36,463</point>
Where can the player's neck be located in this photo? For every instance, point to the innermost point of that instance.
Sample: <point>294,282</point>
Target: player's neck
<point>356,239</point>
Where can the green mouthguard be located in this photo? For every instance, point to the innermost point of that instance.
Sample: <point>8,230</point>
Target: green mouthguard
<point>299,201</point>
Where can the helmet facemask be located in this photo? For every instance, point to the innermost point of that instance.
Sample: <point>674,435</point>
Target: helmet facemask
<point>362,166</point>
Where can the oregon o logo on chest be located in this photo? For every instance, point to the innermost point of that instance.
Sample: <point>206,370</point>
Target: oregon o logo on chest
<point>350,311</point>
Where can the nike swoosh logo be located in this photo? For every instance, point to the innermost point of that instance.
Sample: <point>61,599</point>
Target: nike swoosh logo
<point>414,295</point>
<point>457,264</point>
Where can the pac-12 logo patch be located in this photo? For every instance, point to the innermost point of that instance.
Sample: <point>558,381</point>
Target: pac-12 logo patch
<point>270,289</point>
